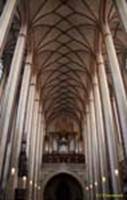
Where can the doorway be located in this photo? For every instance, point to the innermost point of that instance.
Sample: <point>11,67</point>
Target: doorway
<point>63,187</point>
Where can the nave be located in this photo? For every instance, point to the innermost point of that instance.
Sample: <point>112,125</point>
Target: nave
<point>63,99</point>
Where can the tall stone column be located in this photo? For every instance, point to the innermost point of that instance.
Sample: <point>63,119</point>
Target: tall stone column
<point>86,153</point>
<point>117,81</point>
<point>118,130</point>
<point>122,10</point>
<point>29,111</point>
<point>37,149</point>
<point>5,22</point>
<point>101,136</point>
<point>94,144</point>
<point>20,119</point>
<point>90,157</point>
<point>41,144</point>
<point>85,139</point>
<point>32,154</point>
<point>29,118</point>
<point>5,181</point>
<point>109,125</point>
<point>2,86</point>
<point>22,106</point>
<point>13,81</point>
<point>116,116</point>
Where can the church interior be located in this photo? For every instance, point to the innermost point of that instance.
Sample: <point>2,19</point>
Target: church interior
<point>63,99</point>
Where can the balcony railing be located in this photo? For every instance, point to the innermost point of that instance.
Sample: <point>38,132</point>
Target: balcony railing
<point>63,158</point>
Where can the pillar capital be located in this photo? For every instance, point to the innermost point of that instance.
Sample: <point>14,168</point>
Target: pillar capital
<point>22,35</point>
<point>29,59</point>
<point>28,63</point>
<point>106,34</point>
<point>32,84</point>
<point>100,63</point>
<point>37,100</point>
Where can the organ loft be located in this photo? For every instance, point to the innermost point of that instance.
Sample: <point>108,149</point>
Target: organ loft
<point>63,99</point>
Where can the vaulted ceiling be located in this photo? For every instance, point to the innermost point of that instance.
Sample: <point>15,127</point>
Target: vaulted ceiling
<point>64,34</point>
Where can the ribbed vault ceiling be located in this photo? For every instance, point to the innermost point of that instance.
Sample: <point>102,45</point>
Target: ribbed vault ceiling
<point>63,33</point>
